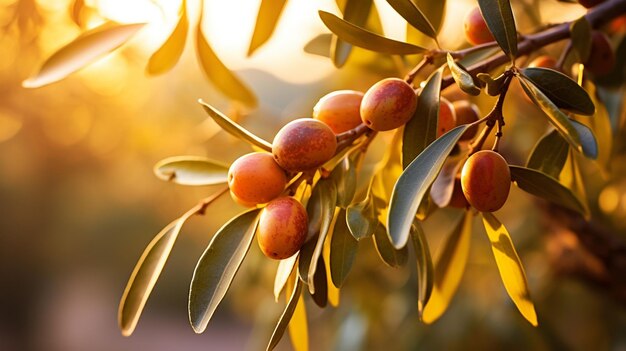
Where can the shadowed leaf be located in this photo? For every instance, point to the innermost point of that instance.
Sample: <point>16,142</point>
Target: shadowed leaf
<point>288,313</point>
<point>191,170</point>
<point>463,79</point>
<point>433,10</point>
<point>561,90</point>
<point>443,187</point>
<point>298,325</point>
<point>285,267</point>
<point>169,53</point>
<point>319,45</point>
<point>361,218</point>
<point>344,176</point>
<point>390,255</point>
<point>343,249</point>
<point>499,18</point>
<point>414,16</point>
<point>580,32</point>
<point>549,154</point>
<point>328,198</point>
<point>424,266</point>
<point>355,12</point>
<point>266,20</point>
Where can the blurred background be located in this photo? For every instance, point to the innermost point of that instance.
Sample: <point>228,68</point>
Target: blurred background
<point>79,201</point>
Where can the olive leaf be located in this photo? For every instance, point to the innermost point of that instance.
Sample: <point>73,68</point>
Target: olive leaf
<point>285,267</point>
<point>355,12</point>
<point>449,267</point>
<point>494,86</point>
<point>235,129</point>
<point>424,266</point>
<point>389,255</point>
<point>462,77</point>
<point>546,187</point>
<point>443,186</point>
<point>285,318</point>
<point>421,129</point>
<point>560,89</point>
<point>166,57</point>
<point>361,217</point>
<point>343,248</point>
<point>510,267</point>
<point>85,49</point>
<point>320,282</point>
<point>363,38</point>
<point>414,182</point>
<point>600,125</point>
<point>298,325</point>
<point>319,45</point>
<point>549,154</point>
<point>499,18</point>
<point>266,20</point>
<point>217,267</point>
<point>580,32</point>
<point>433,11</point>
<point>344,176</point>
<point>191,170</point>
<point>414,16</point>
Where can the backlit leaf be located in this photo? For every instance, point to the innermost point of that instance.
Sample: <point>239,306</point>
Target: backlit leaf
<point>319,45</point>
<point>421,129</point>
<point>344,176</point>
<point>390,255</point>
<point>461,76</point>
<point>449,268</point>
<point>361,218</point>
<point>191,170</point>
<point>580,32</point>
<point>414,16</point>
<point>561,90</point>
<point>600,125</point>
<point>266,20</point>
<point>424,266</point>
<point>221,77</point>
<point>333,291</point>
<point>546,187</point>
<point>433,10</point>
<point>169,53</point>
<point>358,36</point>
<point>499,18</point>
<point>328,195</point>
<point>285,318</point>
<point>298,325</point>
<point>510,267</point>
<point>285,267</point>
<point>549,154</point>
<point>343,247</point>
<point>235,129</point>
<point>217,267</point>
<point>85,49</point>
<point>355,12</point>
<point>414,182</point>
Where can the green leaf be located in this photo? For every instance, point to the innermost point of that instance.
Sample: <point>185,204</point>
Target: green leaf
<point>221,77</point>
<point>320,282</point>
<point>266,20</point>
<point>561,122</point>
<point>234,129</point>
<point>421,130</point>
<point>344,176</point>
<point>166,57</point>
<point>561,90</point>
<point>390,255</point>
<point>549,154</point>
<point>443,186</point>
<point>580,32</point>
<point>499,18</point>
<point>343,247</point>
<point>85,49</point>
<point>217,267</point>
<point>546,187</point>
<point>191,170</point>
<point>461,76</point>
<point>587,139</point>
<point>424,266</point>
<point>355,12</point>
<point>298,325</point>
<point>433,10</point>
<point>285,267</point>
<point>360,37</point>
<point>414,16</point>
<point>283,322</point>
<point>449,268</point>
<point>319,45</point>
<point>510,267</point>
<point>328,199</point>
<point>414,182</point>
<point>361,218</point>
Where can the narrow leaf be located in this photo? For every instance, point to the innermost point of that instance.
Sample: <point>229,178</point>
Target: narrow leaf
<point>549,154</point>
<point>414,16</point>
<point>285,318</point>
<point>333,291</point>
<point>580,32</point>
<point>329,199</point>
<point>421,130</point>
<point>319,45</point>
<point>355,12</point>
<point>344,176</point>
<point>234,129</point>
<point>443,187</point>
<point>298,325</point>
<point>85,49</point>
<point>433,10</point>
<point>414,183</point>
<point>449,268</point>
<point>358,36</point>
<point>499,18</point>
<point>217,267</point>
<point>461,76</point>
<point>390,255</point>
<point>166,57</point>
<point>285,267</point>
<point>343,247</point>
<point>320,282</point>
<point>361,218</point>
<point>221,77</point>
<point>424,266</point>
<point>546,187</point>
<point>561,90</point>
<point>510,267</point>
<point>266,20</point>
<point>191,170</point>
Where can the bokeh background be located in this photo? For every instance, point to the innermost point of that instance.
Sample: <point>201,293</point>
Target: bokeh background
<point>79,201</point>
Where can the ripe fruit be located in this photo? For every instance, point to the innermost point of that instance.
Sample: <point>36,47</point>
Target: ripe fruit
<point>476,30</point>
<point>282,228</point>
<point>388,104</point>
<point>458,200</point>
<point>543,61</point>
<point>466,113</point>
<point>304,144</point>
<point>486,180</point>
<point>255,179</point>
<point>339,110</point>
<point>590,3</point>
<point>602,57</point>
<point>447,117</point>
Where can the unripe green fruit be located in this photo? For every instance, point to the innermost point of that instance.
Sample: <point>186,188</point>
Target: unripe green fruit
<point>388,104</point>
<point>466,113</point>
<point>602,57</point>
<point>282,228</point>
<point>486,180</point>
<point>447,117</point>
<point>256,178</point>
<point>304,144</point>
<point>476,30</point>
<point>340,110</point>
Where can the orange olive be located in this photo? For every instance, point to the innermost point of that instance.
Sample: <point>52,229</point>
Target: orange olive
<point>256,178</point>
<point>304,144</point>
<point>476,30</point>
<point>447,117</point>
<point>486,180</point>
<point>543,61</point>
<point>466,113</point>
<point>458,199</point>
<point>340,110</point>
<point>282,228</point>
<point>388,104</point>
<point>602,57</point>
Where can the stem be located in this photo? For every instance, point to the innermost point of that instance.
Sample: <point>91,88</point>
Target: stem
<point>346,138</point>
<point>495,115</point>
<point>418,68</point>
